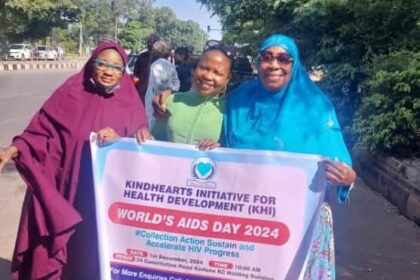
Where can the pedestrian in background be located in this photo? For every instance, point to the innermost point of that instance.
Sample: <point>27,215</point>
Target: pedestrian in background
<point>162,77</point>
<point>183,68</point>
<point>142,66</point>
<point>57,232</point>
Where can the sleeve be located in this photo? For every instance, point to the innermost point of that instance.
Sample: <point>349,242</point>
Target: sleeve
<point>174,80</point>
<point>140,63</point>
<point>165,75</point>
<point>336,149</point>
<point>48,220</point>
<point>39,165</point>
<point>159,130</point>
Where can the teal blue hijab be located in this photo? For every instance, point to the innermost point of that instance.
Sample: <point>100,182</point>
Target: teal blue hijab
<point>297,118</point>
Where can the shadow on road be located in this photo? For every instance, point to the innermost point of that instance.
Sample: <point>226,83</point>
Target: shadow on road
<point>9,167</point>
<point>5,269</point>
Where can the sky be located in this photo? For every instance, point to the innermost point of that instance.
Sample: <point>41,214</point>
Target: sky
<point>191,10</point>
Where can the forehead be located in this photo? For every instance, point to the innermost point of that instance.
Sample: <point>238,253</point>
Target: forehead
<point>111,55</point>
<point>215,56</point>
<point>275,50</point>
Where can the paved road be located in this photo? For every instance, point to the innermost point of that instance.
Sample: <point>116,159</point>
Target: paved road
<point>21,94</point>
<point>372,240</point>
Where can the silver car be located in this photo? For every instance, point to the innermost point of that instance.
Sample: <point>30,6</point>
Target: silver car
<point>46,53</point>
<point>20,51</point>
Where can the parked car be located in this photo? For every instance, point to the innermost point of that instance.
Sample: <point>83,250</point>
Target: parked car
<point>46,53</point>
<point>20,51</point>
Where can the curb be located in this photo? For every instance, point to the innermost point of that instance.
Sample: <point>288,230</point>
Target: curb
<point>389,181</point>
<point>39,66</point>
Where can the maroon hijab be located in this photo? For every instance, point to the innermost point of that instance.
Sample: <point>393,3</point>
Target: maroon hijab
<point>51,151</point>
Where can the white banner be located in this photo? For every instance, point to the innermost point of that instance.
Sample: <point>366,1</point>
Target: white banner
<point>170,212</point>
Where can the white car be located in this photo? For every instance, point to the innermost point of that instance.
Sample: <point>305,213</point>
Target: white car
<point>46,53</point>
<point>20,51</point>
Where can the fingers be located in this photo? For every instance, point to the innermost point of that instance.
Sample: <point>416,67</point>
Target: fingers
<point>207,144</point>
<point>4,158</point>
<point>160,101</point>
<point>105,135</point>
<point>159,110</point>
<point>142,135</point>
<point>339,173</point>
<point>2,163</point>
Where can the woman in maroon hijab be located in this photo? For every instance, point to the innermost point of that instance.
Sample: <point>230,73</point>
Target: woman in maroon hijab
<point>56,237</point>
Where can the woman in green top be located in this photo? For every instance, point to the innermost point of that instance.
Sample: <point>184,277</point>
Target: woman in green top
<point>196,115</point>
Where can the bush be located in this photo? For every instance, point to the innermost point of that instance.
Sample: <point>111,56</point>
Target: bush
<point>388,118</point>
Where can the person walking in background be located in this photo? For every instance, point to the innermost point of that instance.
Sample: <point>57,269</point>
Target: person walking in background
<point>183,68</point>
<point>57,232</point>
<point>162,77</point>
<point>284,110</point>
<point>142,66</point>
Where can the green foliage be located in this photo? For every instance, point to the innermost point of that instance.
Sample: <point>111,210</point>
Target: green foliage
<point>134,34</point>
<point>177,32</point>
<point>188,33</point>
<point>345,38</point>
<point>27,20</point>
<point>389,116</point>
<point>65,39</point>
<point>62,22</point>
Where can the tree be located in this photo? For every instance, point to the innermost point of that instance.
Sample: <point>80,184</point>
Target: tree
<point>389,116</point>
<point>30,19</point>
<point>178,32</point>
<point>87,21</point>
<point>134,34</point>
<point>165,20</point>
<point>344,37</point>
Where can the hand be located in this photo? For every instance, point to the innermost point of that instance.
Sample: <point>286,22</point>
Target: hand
<point>339,173</point>
<point>160,102</point>
<point>143,134</point>
<point>207,144</point>
<point>6,155</point>
<point>106,134</point>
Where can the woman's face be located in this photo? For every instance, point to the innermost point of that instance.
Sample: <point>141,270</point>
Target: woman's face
<point>108,68</point>
<point>212,73</point>
<point>275,68</point>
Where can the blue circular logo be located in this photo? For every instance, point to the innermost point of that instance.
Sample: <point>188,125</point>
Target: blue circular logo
<point>203,168</point>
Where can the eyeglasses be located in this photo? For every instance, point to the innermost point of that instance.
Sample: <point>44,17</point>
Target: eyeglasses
<point>103,65</point>
<point>282,58</point>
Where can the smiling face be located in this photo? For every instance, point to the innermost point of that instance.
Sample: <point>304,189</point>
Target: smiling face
<point>212,73</point>
<point>275,68</point>
<point>107,70</point>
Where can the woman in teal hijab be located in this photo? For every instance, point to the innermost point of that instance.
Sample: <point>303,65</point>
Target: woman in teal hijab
<point>284,110</point>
